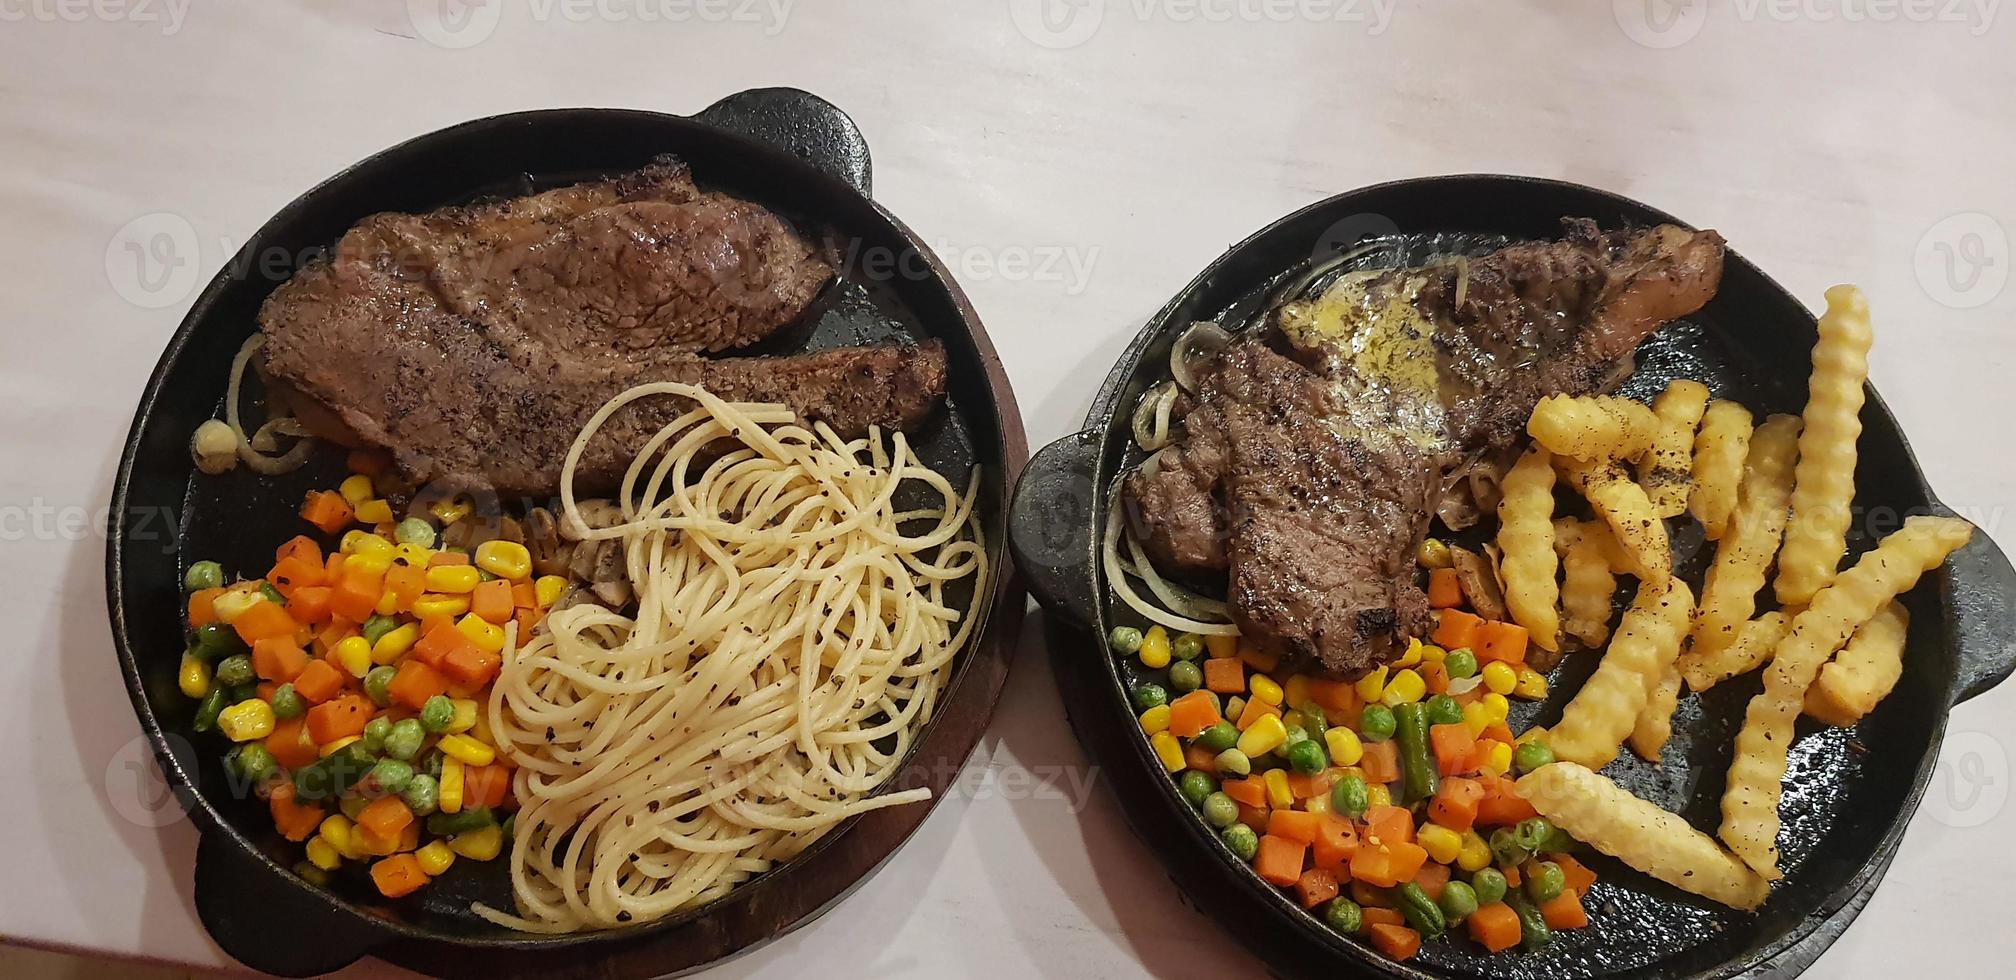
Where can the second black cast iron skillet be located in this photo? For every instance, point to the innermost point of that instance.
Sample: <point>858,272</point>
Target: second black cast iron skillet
<point>1850,792</point>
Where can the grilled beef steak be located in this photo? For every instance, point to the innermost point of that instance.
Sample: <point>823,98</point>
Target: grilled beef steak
<point>474,342</point>
<point>1309,475</point>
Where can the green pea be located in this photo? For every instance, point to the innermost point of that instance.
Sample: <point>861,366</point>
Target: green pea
<point>404,741</point>
<point>253,762</point>
<point>216,640</point>
<point>378,684</point>
<point>1458,902</point>
<point>414,530</point>
<point>235,670</point>
<point>288,703</point>
<point>1533,834</point>
<point>1443,710</point>
<point>242,692</point>
<point>1506,849</point>
<point>1150,695</point>
<point>1306,757</point>
<point>1220,811</point>
<point>1343,915</point>
<point>1532,755</point>
<point>1350,797</point>
<point>1186,646</point>
<point>422,794</point>
<point>1460,663</point>
<point>1545,883</point>
<point>1377,724</point>
<point>1558,842</point>
<point>1185,676</point>
<point>210,707</point>
<point>437,714</point>
<point>431,765</point>
<point>376,627</point>
<point>1489,885</point>
<point>1233,762</point>
<point>204,575</point>
<point>1296,735</point>
<point>1196,786</point>
<point>1219,737</point>
<point>1242,840</point>
<point>375,732</point>
<point>391,776</point>
<point>1125,640</point>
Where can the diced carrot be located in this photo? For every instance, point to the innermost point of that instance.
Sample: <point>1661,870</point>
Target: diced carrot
<point>1390,824</point>
<point>340,718</point>
<point>386,816</point>
<point>439,640</point>
<point>485,785</point>
<point>415,683</point>
<point>524,596</point>
<point>1256,709</point>
<point>1436,677</point>
<point>1333,695</point>
<point>1387,864</point>
<point>1381,762</point>
<point>1565,911</point>
<point>1456,629</point>
<point>406,583</point>
<point>1578,876</point>
<point>1258,659</point>
<point>278,659</point>
<point>1398,943</point>
<point>1452,745</point>
<point>332,565</point>
<point>355,596</point>
<point>1254,817</point>
<point>526,619</point>
<point>266,690</point>
<point>441,558</point>
<point>1455,803</point>
<point>1513,878</point>
<point>1445,588</point>
<point>470,666</point>
<point>369,462</point>
<point>1251,791</point>
<point>1433,878</point>
<point>263,620</point>
<point>327,510</point>
<point>409,839</point>
<point>1195,756</point>
<point>492,601</point>
<point>310,603</point>
<point>1279,860</point>
<point>295,820</point>
<point>336,631</point>
<point>299,546</point>
<point>1501,806</point>
<point>290,743</point>
<point>1370,896</point>
<point>294,572</point>
<point>398,876</point>
<point>1296,825</point>
<point>1501,641</point>
<point>1309,787</point>
<point>1497,732</point>
<point>1377,916</point>
<point>1226,676</point>
<point>1336,842</point>
<point>1495,927</point>
<point>1190,714</point>
<point>202,609</point>
<point>1315,887</point>
<point>318,681</point>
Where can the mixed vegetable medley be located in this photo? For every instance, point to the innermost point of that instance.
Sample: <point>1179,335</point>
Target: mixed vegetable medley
<point>350,684</point>
<point>1386,804</point>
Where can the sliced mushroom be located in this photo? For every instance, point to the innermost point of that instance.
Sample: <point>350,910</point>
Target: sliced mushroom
<point>1480,583</point>
<point>595,514</point>
<point>542,539</point>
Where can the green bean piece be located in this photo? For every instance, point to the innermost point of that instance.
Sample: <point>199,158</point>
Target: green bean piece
<point>1196,786</point>
<point>1343,915</point>
<point>334,774</point>
<point>1219,737</point>
<point>1533,932</point>
<point>1421,777</point>
<point>1220,811</point>
<point>450,824</point>
<point>1243,842</point>
<point>1490,886</point>
<point>1376,724</point>
<point>1421,911</point>
<point>1125,640</point>
<point>311,874</point>
<point>204,575</point>
<point>215,641</point>
<point>210,707</point>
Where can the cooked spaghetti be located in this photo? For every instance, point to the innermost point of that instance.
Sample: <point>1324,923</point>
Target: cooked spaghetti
<point>789,641</point>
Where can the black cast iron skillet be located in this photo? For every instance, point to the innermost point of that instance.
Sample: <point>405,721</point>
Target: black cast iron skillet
<point>1851,791</point>
<point>792,152</point>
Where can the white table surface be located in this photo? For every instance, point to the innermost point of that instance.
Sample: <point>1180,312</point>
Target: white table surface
<point>1832,140</point>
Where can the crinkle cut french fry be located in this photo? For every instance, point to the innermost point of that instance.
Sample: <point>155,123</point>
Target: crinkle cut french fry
<point>1756,776</point>
<point>1593,428</point>
<point>1655,722</point>
<point>1864,672</point>
<point>1622,504</point>
<point>1600,813</point>
<point>1719,450</point>
<point>1823,490</point>
<point>1588,578</point>
<point>1605,711</point>
<point>1667,470</point>
<point>1743,556</point>
<point>1752,647</point>
<point>1526,539</point>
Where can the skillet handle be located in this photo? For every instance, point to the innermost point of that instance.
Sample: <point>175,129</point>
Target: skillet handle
<point>809,127</point>
<point>1981,589</point>
<point>1052,528</point>
<point>263,918</point>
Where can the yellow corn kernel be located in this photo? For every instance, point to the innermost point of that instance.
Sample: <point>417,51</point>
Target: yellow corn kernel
<point>1532,685</point>
<point>1320,803</point>
<point>388,603</point>
<point>505,559</point>
<point>377,562</point>
<point>1529,735</point>
<point>1372,685</point>
<point>449,799</point>
<point>1433,553</point>
<point>1266,690</point>
<point>1498,760</point>
<point>194,677</point>
<point>395,643</point>
<point>1432,654</point>
<point>373,512</point>
<point>1406,687</point>
<point>246,721</point>
<point>433,604</point>
<point>337,746</point>
<point>1378,795</point>
<point>1263,736</point>
<point>1295,693</point>
<point>1441,843</point>
<point>466,750</point>
<point>1345,749</point>
<point>453,579</point>
<point>358,541</point>
<point>465,716</point>
<point>1155,720</point>
<point>337,830</point>
<point>548,590</point>
<point>1279,796</point>
<point>1475,854</point>
<point>322,855</point>
<point>481,730</point>
<point>487,636</point>
<point>1155,648</point>
<point>1167,750</point>
<point>451,510</point>
<point>354,653</point>
<point>1412,656</point>
<point>369,844</point>
<point>356,489</point>
<point>483,845</point>
<point>1499,677</point>
<point>435,858</point>
<point>1496,704</point>
<point>1476,717</point>
<point>1223,646</point>
<point>414,555</point>
<point>231,605</point>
